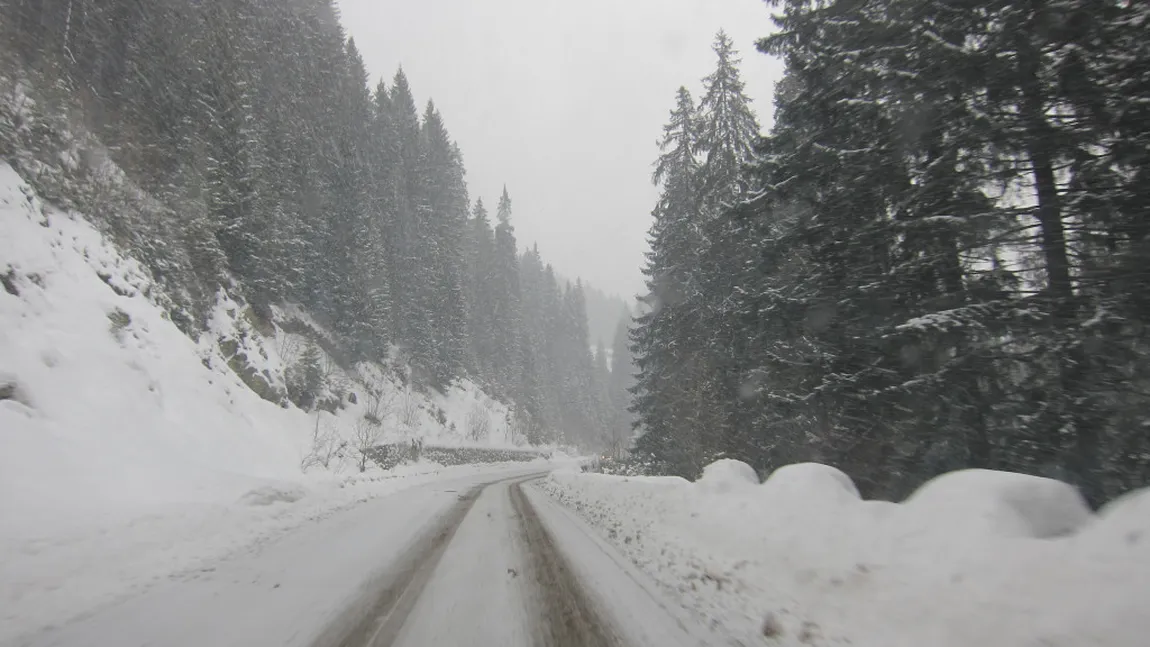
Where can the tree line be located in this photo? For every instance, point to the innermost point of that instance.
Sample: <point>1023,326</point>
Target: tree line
<point>283,175</point>
<point>935,259</point>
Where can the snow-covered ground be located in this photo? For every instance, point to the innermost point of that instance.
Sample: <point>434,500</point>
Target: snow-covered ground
<point>131,453</point>
<point>133,458</point>
<point>972,558</point>
<point>289,588</point>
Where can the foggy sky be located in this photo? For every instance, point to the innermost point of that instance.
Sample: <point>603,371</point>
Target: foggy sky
<point>563,101</point>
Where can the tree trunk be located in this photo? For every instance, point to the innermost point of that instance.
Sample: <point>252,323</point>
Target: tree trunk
<point>1041,145</point>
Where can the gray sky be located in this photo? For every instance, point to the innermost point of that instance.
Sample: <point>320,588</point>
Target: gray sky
<point>562,100</point>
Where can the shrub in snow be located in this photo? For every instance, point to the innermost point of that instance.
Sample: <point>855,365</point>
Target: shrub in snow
<point>478,422</point>
<point>305,378</point>
<point>520,426</point>
<point>1000,503</point>
<point>625,466</point>
<point>811,481</point>
<point>118,320</point>
<point>326,449</point>
<point>368,429</point>
<point>727,475</point>
<point>8,280</point>
<point>8,384</point>
<point>409,410</point>
<point>270,494</point>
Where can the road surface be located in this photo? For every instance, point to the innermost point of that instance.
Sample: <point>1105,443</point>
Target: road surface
<point>470,561</point>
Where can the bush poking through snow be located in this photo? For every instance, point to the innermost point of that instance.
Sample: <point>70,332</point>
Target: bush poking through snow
<point>270,494</point>
<point>10,390</point>
<point>326,449</point>
<point>519,426</point>
<point>8,280</point>
<point>478,423</point>
<point>118,320</point>
<point>409,410</point>
<point>772,628</point>
<point>305,378</point>
<point>368,431</point>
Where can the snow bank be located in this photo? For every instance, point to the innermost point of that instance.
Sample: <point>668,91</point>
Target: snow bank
<point>982,502</point>
<point>973,557</point>
<point>807,480</point>
<point>1122,528</point>
<point>727,475</point>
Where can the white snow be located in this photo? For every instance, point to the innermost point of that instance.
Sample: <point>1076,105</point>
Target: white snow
<point>285,589</point>
<point>810,480</point>
<point>130,453</point>
<point>487,553</point>
<point>629,601</point>
<point>981,502</point>
<point>972,558</point>
<point>727,475</point>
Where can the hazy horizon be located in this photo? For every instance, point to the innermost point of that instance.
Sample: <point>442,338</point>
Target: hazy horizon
<point>567,118</point>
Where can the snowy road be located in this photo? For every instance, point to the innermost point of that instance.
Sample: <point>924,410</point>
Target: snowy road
<point>481,560</point>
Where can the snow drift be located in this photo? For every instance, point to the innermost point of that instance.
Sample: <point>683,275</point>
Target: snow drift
<point>973,557</point>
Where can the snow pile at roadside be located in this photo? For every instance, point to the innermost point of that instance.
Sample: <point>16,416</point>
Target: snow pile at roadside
<point>972,558</point>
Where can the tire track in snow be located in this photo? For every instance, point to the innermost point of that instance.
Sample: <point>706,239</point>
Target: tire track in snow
<point>560,613</point>
<point>379,622</point>
<point>569,618</point>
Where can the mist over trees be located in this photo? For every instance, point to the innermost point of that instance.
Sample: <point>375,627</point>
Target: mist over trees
<point>271,167</point>
<point>604,310</point>
<point>935,259</point>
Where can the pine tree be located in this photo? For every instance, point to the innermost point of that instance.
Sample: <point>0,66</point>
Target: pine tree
<point>413,275</point>
<point>620,382</point>
<point>448,205</point>
<point>506,316</point>
<point>480,313</point>
<point>727,128</point>
<point>684,371</point>
<point>674,242</point>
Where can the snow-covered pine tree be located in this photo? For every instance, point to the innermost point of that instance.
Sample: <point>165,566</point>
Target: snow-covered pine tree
<point>480,315</point>
<point>621,379</point>
<point>448,205</point>
<point>412,277</point>
<point>727,128</point>
<point>674,244</point>
<point>685,369</point>
<point>506,359</point>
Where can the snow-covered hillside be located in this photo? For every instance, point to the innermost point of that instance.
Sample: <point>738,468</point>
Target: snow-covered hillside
<point>129,450</point>
<point>972,558</point>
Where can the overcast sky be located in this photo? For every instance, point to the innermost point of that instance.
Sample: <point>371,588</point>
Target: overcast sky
<point>563,101</point>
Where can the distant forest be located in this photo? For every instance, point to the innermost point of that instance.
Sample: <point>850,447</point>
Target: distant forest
<point>258,158</point>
